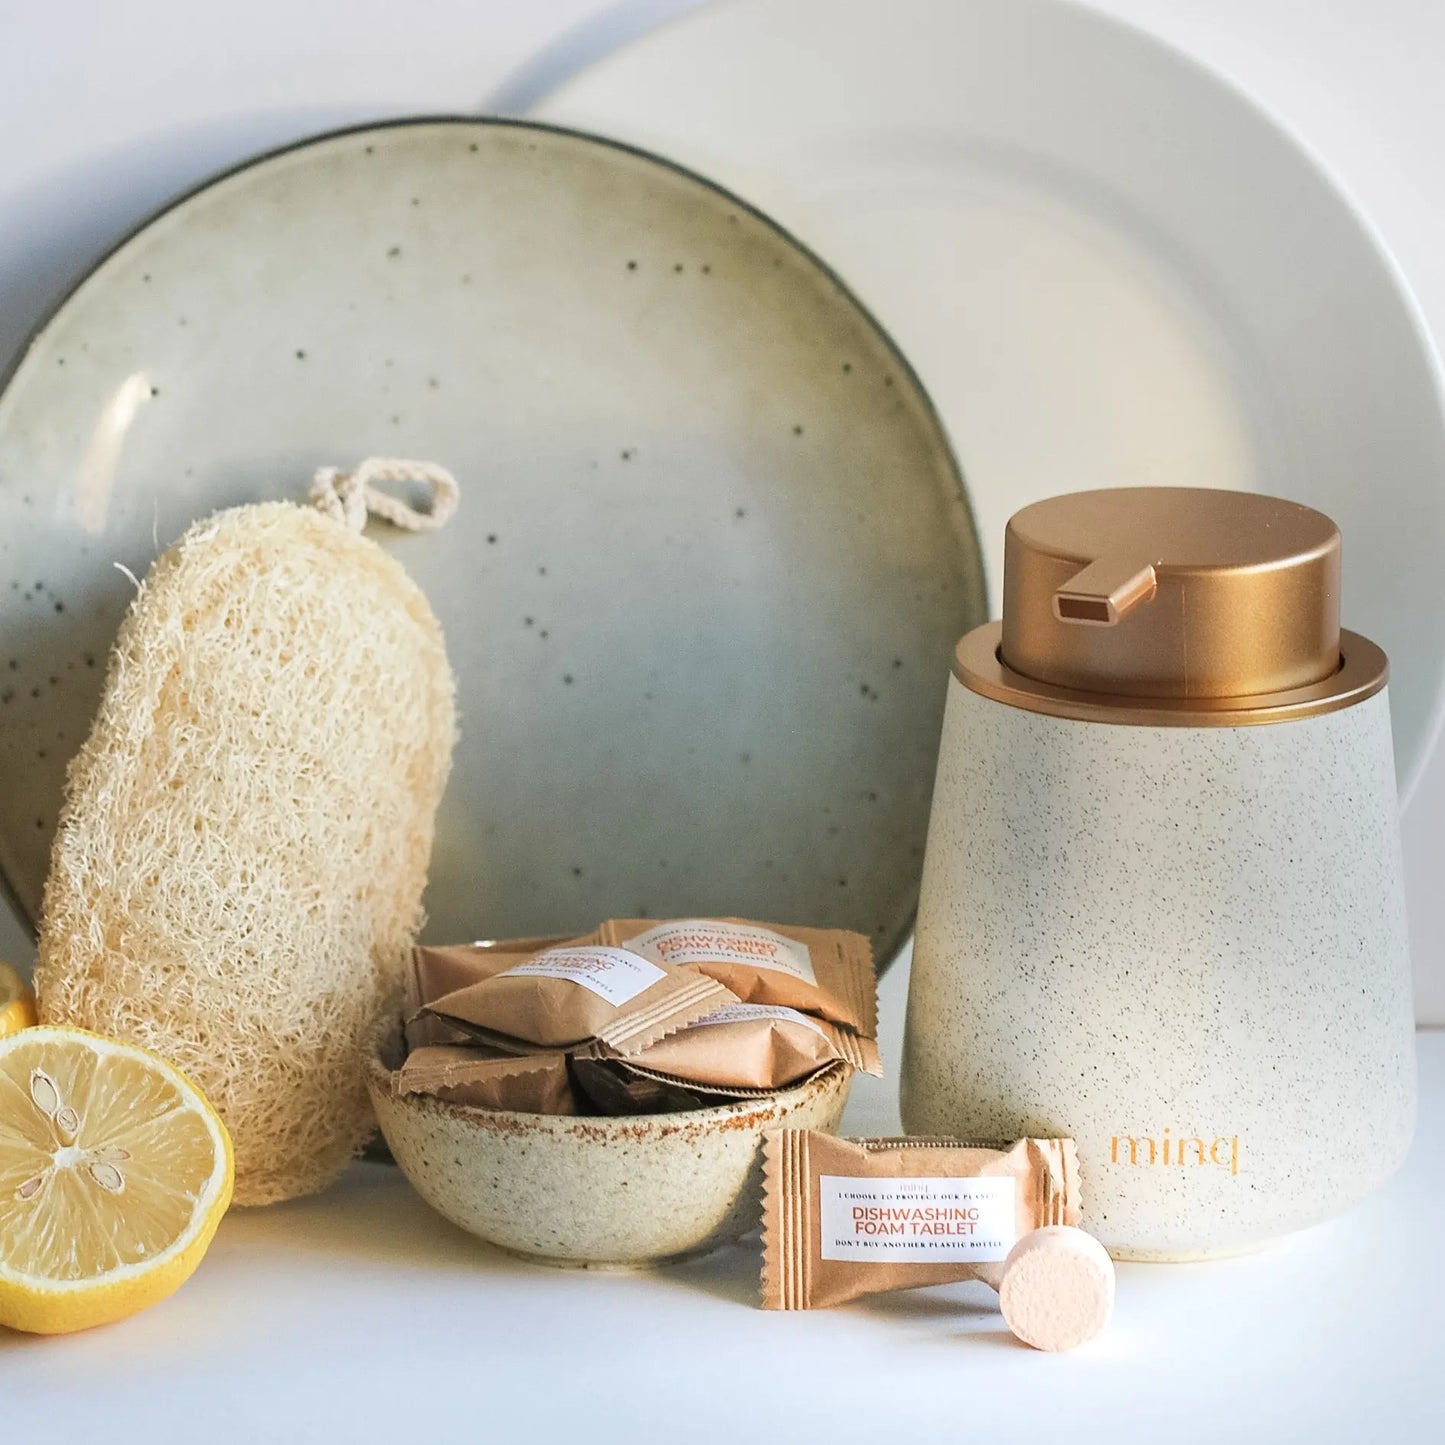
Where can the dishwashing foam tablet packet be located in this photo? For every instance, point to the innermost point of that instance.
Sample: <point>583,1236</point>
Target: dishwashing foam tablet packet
<point>577,994</point>
<point>850,1217</point>
<point>823,971</point>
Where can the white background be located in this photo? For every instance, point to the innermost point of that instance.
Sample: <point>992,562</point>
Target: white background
<point>360,1315</point>
<point>107,109</point>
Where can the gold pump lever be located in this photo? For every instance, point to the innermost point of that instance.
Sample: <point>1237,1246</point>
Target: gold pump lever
<point>1104,592</point>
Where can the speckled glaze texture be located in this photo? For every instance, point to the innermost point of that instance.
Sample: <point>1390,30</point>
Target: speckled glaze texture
<point>1189,938</point>
<point>646,391</point>
<point>593,1191</point>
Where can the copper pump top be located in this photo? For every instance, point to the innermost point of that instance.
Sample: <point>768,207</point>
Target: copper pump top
<point>1171,605</point>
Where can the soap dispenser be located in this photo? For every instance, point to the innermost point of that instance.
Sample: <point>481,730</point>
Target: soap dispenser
<point>1161,907</point>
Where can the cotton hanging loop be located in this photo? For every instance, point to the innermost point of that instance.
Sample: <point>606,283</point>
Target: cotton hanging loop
<point>239,866</point>
<point>349,496</point>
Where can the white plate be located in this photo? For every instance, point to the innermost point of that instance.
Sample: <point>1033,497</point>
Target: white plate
<point>1109,267</point>
<point>700,670</point>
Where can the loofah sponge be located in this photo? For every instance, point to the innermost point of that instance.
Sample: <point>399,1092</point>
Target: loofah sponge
<point>239,865</point>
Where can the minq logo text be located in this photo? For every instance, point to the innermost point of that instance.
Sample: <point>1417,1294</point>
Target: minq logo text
<point>1220,1153</point>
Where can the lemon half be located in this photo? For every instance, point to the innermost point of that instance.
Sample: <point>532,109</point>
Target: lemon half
<point>114,1173</point>
<point>17,1003</point>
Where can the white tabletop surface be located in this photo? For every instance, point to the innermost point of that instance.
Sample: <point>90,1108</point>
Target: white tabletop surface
<point>360,1315</point>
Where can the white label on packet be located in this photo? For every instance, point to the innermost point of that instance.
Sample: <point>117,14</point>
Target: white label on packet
<point>611,973</point>
<point>704,940</point>
<point>738,1013</point>
<point>917,1221</point>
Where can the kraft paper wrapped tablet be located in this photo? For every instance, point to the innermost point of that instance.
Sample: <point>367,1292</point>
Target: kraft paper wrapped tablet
<point>850,1217</point>
<point>823,971</point>
<point>525,1084</point>
<point>438,971</point>
<point>571,996</point>
<point>523,996</point>
<point>748,1048</point>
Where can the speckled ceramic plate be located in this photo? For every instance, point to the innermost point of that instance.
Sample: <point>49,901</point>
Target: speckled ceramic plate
<point>712,551</point>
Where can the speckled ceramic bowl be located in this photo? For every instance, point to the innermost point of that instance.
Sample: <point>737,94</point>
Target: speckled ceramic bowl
<point>618,1192</point>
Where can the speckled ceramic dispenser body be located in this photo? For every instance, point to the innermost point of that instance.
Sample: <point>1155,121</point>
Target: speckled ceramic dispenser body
<point>1155,934</point>
<point>1185,946</point>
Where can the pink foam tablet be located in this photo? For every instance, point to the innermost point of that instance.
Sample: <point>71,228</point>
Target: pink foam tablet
<point>1058,1288</point>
